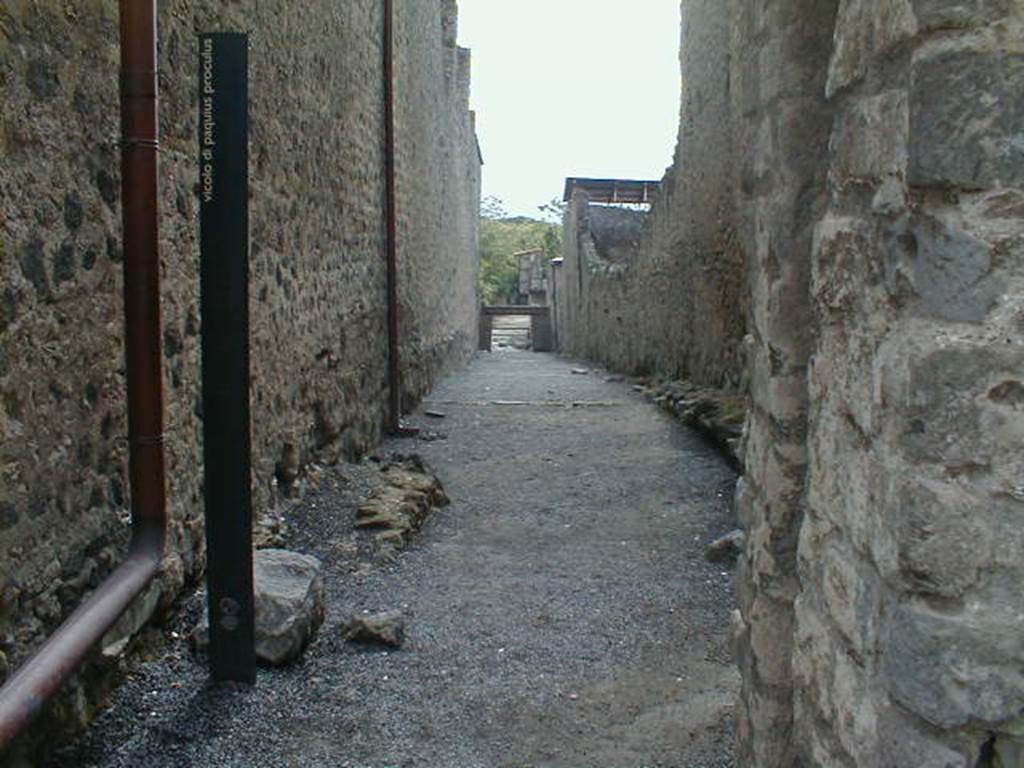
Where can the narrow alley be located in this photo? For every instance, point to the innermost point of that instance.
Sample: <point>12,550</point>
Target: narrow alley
<point>559,611</point>
<point>402,342</point>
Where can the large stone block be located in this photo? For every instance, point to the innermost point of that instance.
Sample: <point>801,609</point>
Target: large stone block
<point>952,667</point>
<point>952,271</point>
<point>903,742</point>
<point>951,409</point>
<point>949,14</point>
<point>865,29</point>
<point>869,137</point>
<point>944,538</point>
<point>967,119</point>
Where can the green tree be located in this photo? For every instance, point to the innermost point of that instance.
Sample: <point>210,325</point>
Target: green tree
<point>501,238</point>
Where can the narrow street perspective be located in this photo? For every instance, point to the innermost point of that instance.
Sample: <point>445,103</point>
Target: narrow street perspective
<point>512,383</point>
<point>559,612</point>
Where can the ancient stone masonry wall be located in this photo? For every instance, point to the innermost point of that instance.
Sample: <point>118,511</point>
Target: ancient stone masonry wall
<point>861,164</point>
<point>318,298</point>
<point>882,610</point>
<point>780,125</point>
<point>600,244</point>
<point>438,186</point>
<point>910,623</point>
<point>675,304</point>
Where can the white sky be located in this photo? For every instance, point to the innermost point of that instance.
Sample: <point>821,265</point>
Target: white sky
<point>571,88</point>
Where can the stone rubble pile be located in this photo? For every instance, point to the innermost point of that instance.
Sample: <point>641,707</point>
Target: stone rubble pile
<point>398,508</point>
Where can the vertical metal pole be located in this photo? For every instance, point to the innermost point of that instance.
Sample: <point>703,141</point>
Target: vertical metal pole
<point>224,302</point>
<point>391,236</point>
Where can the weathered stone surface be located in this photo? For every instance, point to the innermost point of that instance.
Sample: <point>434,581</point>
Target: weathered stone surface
<point>953,668</point>
<point>950,14</point>
<point>864,29</point>
<point>973,142</point>
<point>952,272</point>
<point>869,140</point>
<point>944,390</point>
<point>318,315</point>
<point>1008,752</point>
<point>902,742</point>
<point>944,540</point>
<point>409,495</point>
<point>288,589</point>
<point>379,628</point>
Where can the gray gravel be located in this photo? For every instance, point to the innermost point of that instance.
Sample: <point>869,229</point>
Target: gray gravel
<point>559,612</point>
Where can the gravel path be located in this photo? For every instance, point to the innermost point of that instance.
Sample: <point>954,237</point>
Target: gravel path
<point>559,611</point>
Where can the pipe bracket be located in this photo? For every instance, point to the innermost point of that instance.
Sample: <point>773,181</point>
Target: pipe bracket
<point>131,141</point>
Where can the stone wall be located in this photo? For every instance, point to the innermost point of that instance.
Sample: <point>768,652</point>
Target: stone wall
<point>666,295</point>
<point>438,194</point>
<point>593,299</point>
<point>882,492</point>
<point>780,123</point>
<point>909,641</point>
<point>868,158</point>
<point>318,293</point>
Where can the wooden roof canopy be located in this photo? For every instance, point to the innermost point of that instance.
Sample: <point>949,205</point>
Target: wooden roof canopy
<point>613,190</point>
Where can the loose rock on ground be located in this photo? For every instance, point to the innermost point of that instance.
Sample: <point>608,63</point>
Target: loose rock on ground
<point>288,590</point>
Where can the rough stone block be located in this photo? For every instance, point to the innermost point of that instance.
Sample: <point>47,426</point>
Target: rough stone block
<point>725,549</point>
<point>955,667</point>
<point>965,120</point>
<point>386,628</point>
<point>959,14</point>
<point>952,271</point>
<point>288,590</point>
<point>869,138</point>
<point>844,589</point>
<point>904,743</point>
<point>865,28</point>
<point>771,641</point>
<point>944,539</point>
<point>946,390</point>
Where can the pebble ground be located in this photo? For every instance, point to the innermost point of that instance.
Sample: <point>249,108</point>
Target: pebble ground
<point>559,612</point>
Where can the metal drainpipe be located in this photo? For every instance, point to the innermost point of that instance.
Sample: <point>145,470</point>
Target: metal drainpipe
<point>391,236</point>
<point>23,696</point>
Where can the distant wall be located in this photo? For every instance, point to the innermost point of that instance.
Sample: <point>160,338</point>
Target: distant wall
<point>594,295</point>
<point>318,294</point>
<point>438,188</point>
<point>665,294</point>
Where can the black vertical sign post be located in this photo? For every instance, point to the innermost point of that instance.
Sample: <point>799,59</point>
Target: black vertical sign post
<point>224,303</point>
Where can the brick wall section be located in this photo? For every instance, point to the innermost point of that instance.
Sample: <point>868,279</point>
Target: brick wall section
<point>319,354</point>
<point>675,304</point>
